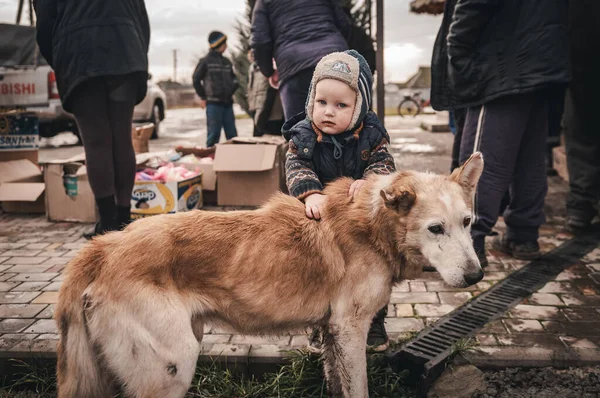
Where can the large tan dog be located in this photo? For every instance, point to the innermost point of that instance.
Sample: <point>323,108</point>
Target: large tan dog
<point>133,305</point>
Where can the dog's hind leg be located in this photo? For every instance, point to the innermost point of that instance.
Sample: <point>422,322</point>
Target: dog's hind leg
<point>149,344</point>
<point>345,357</point>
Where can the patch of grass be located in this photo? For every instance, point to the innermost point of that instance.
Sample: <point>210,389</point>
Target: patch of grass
<point>302,376</point>
<point>34,377</point>
<point>463,345</point>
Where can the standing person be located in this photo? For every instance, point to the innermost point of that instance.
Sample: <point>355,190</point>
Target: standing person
<point>215,82</point>
<point>98,50</point>
<point>264,102</point>
<point>581,136</point>
<point>297,34</point>
<point>338,136</point>
<point>501,60</point>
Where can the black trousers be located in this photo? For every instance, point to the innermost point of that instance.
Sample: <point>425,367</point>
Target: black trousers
<point>511,133</point>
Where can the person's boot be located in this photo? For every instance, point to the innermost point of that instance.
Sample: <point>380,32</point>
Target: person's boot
<point>108,217</point>
<point>580,215</point>
<point>479,246</point>
<point>377,339</point>
<point>315,341</point>
<point>123,217</point>
<point>521,250</point>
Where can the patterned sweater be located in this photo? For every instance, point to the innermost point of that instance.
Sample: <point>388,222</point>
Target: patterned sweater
<point>315,159</point>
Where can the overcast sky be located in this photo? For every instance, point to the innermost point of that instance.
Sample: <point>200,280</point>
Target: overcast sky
<point>184,25</point>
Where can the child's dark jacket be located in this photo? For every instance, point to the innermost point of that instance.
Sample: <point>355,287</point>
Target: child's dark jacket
<point>311,164</point>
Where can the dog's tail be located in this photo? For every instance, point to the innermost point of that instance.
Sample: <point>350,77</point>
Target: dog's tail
<point>78,369</point>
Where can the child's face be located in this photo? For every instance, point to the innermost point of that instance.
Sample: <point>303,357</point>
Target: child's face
<point>334,106</point>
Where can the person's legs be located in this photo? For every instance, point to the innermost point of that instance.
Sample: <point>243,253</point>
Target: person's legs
<point>294,91</point>
<point>496,130</point>
<point>214,123</point>
<point>90,107</point>
<point>459,121</point>
<point>525,212</point>
<point>229,122</point>
<point>122,95</point>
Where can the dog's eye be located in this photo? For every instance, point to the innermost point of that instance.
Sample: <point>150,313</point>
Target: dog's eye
<point>467,221</point>
<point>436,229</point>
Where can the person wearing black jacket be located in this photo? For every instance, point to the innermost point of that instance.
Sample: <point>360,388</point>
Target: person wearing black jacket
<point>503,60</point>
<point>297,34</point>
<point>215,82</point>
<point>98,50</point>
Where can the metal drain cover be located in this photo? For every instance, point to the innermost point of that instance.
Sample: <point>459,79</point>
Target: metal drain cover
<point>425,355</point>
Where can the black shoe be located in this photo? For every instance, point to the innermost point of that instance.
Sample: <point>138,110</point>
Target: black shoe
<point>580,215</point>
<point>482,257</point>
<point>123,217</point>
<point>521,250</point>
<point>107,209</point>
<point>377,339</point>
<point>315,341</point>
<point>98,230</point>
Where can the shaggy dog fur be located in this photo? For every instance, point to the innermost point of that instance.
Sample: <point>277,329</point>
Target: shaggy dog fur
<point>132,308</point>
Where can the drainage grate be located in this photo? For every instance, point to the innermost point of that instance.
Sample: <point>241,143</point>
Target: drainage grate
<point>426,354</point>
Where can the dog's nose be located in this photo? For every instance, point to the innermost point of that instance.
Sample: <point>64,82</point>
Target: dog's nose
<point>474,277</point>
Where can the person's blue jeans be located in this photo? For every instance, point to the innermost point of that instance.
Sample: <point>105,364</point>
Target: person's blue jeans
<point>219,116</point>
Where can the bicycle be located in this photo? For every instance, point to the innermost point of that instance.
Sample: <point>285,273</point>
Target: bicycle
<point>411,105</point>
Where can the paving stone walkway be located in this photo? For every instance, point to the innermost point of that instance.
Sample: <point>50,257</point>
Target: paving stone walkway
<point>562,320</point>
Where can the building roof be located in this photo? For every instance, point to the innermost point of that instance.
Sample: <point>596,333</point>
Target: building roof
<point>433,7</point>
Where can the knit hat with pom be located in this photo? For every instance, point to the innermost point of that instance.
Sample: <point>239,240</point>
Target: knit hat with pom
<point>348,67</point>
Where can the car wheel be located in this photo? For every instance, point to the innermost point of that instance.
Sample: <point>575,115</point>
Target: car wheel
<point>155,120</point>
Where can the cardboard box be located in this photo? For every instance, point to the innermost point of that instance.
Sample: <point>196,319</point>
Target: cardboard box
<point>69,196</point>
<point>250,170</point>
<point>140,136</point>
<point>21,187</point>
<point>559,162</point>
<point>154,197</point>
<point>19,136</point>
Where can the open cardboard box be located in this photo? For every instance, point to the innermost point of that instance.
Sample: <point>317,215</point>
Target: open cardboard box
<point>140,137</point>
<point>21,187</point>
<point>250,170</point>
<point>69,199</point>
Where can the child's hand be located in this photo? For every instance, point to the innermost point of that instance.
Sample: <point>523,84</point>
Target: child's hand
<point>355,188</point>
<point>314,204</point>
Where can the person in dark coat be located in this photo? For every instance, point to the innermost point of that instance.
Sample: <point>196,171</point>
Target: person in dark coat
<point>297,34</point>
<point>338,136</point>
<point>98,50</point>
<point>503,60</point>
<point>215,83</point>
<point>264,102</point>
<point>582,138</point>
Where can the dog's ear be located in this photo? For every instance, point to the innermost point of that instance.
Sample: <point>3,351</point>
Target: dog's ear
<point>399,199</point>
<point>468,174</point>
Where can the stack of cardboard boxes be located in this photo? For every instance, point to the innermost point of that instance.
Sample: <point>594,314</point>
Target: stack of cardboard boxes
<point>245,172</point>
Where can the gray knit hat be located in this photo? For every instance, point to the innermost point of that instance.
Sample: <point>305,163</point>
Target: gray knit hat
<point>351,68</point>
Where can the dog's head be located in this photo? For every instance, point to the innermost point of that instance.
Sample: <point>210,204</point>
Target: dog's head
<point>433,215</point>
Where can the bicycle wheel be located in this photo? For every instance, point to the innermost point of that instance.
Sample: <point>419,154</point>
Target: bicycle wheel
<point>409,107</point>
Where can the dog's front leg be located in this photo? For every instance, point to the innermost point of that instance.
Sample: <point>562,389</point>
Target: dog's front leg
<point>345,357</point>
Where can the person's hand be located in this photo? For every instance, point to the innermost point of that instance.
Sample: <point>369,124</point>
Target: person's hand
<point>314,204</point>
<point>203,104</point>
<point>355,188</point>
<point>274,80</point>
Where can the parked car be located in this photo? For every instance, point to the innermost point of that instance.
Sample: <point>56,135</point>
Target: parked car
<point>27,82</point>
<point>152,108</point>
